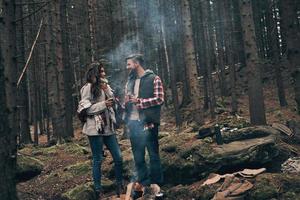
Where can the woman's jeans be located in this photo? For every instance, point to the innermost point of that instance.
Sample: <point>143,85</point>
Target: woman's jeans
<point>140,141</point>
<point>96,143</point>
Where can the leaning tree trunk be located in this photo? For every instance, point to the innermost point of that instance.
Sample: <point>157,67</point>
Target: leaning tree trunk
<point>255,87</point>
<point>190,61</point>
<point>291,30</point>
<point>8,125</point>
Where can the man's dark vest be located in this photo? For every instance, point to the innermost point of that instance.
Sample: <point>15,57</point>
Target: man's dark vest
<point>146,90</point>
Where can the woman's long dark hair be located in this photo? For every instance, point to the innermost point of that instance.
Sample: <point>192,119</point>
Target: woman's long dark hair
<point>94,72</point>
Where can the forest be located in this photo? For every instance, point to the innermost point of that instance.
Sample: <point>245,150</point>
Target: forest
<point>230,70</point>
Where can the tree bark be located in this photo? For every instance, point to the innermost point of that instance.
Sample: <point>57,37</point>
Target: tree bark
<point>291,30</point>
<point>25,136</point>
<point>8,109</point>
<point>255,87</point>
<point>230,55</point>
<point>55,75</point>
<point>208,54</point>
<point>190,61</point>
<point>68,80</point>
<point>92,26</point>
<point>220,30</point>
<point>274,50</point>
<point>238,35</point>
<point>171,66</point>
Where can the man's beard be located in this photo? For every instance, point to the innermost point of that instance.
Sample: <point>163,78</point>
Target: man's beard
<point>132,73</point>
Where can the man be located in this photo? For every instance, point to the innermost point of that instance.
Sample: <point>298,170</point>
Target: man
<point>144,96</point>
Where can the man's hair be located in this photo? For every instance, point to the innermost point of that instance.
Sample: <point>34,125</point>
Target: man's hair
<point>136,58</point>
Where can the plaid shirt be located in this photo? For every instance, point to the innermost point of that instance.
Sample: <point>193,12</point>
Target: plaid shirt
<point>158,96</point>
<point>157,99</point>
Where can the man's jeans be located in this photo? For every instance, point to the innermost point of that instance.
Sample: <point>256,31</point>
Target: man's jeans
<point>96,143</point>
<point>140,141</point>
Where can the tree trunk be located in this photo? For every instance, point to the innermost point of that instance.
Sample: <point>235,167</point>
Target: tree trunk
<point>220,30</point>
<point>208,54</point>
<point>25,136</point>
<point>68,81</point>
<point>179,60</point>
<point>190,61</point>
<point>200,44</point>
<point>230,55</point>
<point>255,88</point>
<point>274,50</point>
<point>92,26</point>
<point>34,103</point>
<point>171,66</point>
<point>48,64</point>
<point>55,74</point>
<point>8,109</point>
<point>138,27</point>
<point>33,78</point>
<point>259,24</point>
<point>238,35</point>
<point>291,30</point>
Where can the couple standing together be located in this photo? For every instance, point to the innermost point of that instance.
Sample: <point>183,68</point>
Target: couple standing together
<point>144,96</point>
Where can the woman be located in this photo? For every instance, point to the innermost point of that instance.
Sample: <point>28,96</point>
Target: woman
<point>97,100</point>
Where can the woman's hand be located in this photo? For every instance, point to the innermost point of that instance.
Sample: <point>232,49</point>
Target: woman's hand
<point>109,102</point>
<point>104,86</point>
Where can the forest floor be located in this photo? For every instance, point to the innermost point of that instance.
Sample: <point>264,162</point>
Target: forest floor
<point>51,183</point>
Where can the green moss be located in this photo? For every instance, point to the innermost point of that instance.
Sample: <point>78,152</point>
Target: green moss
<point>70,148</point>
<point>80,192</point>
<point>25,161</point>
<point>291,195</point>
<point>80,168</point>
<point>107,185</point>
<point>45,150</point>
<point>62,176</point>
<point>28,167</point>
<point>264,192</point>
<point>197,149</point>
<point>86,191</point>
<point>73,148</point>
<point>36,151</point>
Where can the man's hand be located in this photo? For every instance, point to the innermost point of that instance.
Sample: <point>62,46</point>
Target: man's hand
<point>109,102</point>
<point>127,98</point>
<point>134,100</point>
